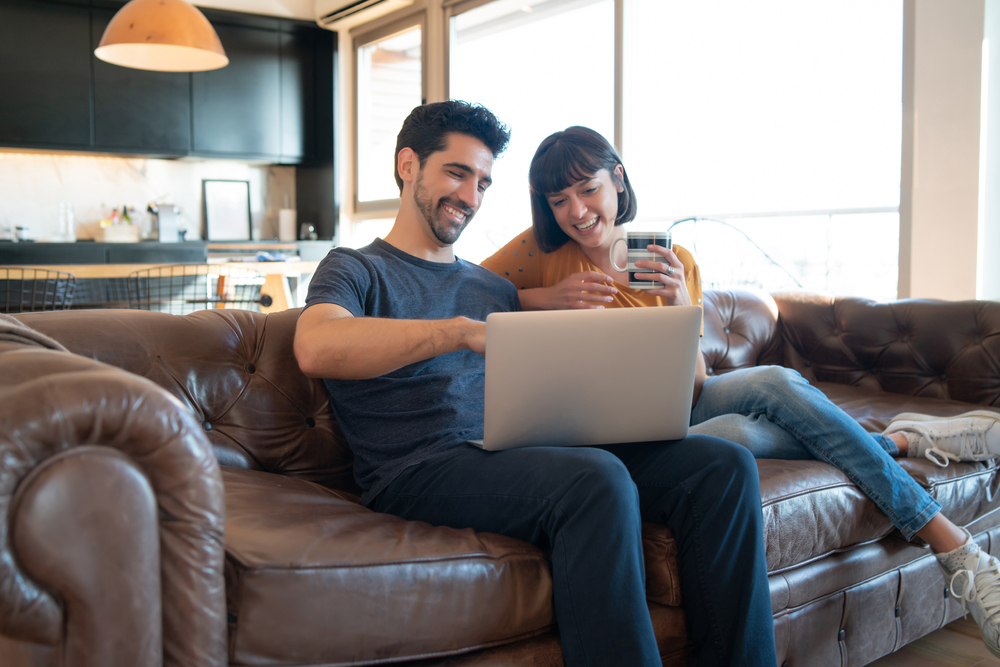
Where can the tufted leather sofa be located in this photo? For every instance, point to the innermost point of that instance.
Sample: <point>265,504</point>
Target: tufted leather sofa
<point>113,552</point>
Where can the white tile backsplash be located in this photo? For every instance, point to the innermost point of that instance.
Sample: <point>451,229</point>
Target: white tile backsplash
<point>33,184</point>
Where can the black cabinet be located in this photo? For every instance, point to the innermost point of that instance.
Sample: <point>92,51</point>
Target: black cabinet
<point>237,109</point>
<point>44,75</point>
<point>265,105</point>
<point>137,110</point>
<point>298,95</point>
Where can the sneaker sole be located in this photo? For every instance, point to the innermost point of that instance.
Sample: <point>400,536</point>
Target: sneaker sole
<point>917,417</point>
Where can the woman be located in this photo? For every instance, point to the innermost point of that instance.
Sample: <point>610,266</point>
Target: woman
<point>580,197</point>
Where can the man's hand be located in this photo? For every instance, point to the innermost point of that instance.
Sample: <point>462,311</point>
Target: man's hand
<point>587,289</point>
<point>670,272</point>
<point>475,339</point>
<point>332,343</point>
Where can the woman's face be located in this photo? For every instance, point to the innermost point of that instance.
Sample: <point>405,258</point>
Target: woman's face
<point>586,210</point>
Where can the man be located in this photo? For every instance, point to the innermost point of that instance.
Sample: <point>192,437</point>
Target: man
<point>396,329</point>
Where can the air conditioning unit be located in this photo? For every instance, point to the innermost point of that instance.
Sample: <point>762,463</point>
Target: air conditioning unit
<point>335,14</point>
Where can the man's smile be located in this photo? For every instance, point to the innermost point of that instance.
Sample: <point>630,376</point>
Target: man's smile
<point>456,214</point>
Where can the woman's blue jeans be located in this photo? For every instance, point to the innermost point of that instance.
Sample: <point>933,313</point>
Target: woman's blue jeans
<point>776,414</point>
<point>587,504</point>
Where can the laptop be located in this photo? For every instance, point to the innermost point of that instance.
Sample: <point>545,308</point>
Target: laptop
<point>589,377</point>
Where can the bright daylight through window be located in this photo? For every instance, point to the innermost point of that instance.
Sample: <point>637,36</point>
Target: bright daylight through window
<point>389,86</point>
<point>541,66</point>
<point>778,119</point>
<point>781,118</point>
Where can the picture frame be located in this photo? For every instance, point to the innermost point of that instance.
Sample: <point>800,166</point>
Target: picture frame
<point>226,205</point>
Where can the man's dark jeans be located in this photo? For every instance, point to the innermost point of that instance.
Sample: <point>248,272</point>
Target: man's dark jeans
<point>586,504</point>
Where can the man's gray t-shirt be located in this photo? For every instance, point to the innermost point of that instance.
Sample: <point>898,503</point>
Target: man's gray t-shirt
<point>409,415</point>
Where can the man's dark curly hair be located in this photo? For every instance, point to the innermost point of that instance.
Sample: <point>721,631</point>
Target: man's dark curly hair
<point>425,129</point>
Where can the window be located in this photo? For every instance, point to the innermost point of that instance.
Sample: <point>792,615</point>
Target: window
<point>390,82</point>
<point>541,66</point>
<point>781,118</point>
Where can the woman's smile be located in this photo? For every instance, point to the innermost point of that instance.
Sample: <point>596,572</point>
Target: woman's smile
<point>585,227</point>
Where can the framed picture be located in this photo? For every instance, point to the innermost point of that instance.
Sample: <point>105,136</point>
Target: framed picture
<point>227,210</point>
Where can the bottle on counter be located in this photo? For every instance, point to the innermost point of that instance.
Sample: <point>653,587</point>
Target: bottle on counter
<point>67,222</point>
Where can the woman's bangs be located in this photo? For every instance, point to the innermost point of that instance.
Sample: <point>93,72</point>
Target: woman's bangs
<point>562,165</point>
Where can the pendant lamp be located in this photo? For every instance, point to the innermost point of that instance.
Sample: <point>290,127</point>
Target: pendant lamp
<point>161,35</point>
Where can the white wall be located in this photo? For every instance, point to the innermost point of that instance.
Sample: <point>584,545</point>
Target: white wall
<point>33,184</point>
<point>289,9</point>
<point>939,198</point>
<point>989,286</point>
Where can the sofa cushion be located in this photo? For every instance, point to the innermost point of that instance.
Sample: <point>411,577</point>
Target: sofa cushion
<point>315,578</point>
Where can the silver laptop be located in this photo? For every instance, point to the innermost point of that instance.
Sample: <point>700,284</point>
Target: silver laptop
<point>589,377</point>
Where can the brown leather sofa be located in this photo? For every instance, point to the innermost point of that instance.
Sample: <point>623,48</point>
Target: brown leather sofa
<point>111,505</point>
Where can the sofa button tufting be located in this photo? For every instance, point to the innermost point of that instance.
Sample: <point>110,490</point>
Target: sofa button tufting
<point>250,368</point>
<point>905,339</point>
<point>206,425</point>
<point>310,422</point>
<point>898,609</point>
<point>709,371</point>
<point>943,377</point>
<point>786,664</point>
<point>841,635</point>
<point>726,329</point>
<point>836,332</point>
<point>946,591</point>
<point>808,363</point>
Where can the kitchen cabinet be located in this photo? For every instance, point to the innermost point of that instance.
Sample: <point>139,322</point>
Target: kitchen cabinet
<point>236,110</point>
<point>270,103</point>
<point>44,75</point>
<point>138,110</point>
<point>298,93</point>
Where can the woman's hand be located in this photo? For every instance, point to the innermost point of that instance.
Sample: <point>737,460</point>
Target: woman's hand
<point>670,272</point>
<point>587,289</point>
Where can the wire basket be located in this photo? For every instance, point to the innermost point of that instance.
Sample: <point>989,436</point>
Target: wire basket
<point>180,289</point>
<point>32,290</point>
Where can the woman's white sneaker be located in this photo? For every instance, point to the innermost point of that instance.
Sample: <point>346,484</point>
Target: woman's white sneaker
<point>968,437</point>
<point>974,578</point>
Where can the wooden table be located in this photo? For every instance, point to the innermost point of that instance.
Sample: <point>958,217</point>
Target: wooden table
<point>276,275</point>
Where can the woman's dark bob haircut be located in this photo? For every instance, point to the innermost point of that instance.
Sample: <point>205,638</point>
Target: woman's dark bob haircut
<point>564,159</point>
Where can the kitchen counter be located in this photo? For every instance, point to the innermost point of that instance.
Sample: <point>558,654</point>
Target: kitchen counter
<point>90,252</point>
<point>112,261</point>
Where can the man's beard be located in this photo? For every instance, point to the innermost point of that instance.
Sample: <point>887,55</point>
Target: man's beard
<point>443,229</point>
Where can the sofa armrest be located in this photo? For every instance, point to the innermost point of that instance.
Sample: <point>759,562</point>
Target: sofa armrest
<point>89,456</point>
<point>915,347</point>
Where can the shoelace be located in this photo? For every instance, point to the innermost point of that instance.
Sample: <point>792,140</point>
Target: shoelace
<point>969,444</point>
<point>982,587</point>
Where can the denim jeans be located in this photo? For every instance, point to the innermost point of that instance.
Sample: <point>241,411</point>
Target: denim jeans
<point>587,504</point>
<point>776,414</point>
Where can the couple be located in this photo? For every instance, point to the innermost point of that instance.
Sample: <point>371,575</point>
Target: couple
<point>396,330</point>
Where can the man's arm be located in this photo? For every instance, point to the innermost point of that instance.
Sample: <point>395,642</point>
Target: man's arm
<point>332,343</point>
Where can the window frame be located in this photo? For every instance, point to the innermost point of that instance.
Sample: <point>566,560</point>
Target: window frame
<point>362,36</point>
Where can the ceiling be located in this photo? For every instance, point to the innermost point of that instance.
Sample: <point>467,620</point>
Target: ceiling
<point>290,9</point>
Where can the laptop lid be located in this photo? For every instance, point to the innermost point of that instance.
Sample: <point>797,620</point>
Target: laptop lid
<point>589,377</point>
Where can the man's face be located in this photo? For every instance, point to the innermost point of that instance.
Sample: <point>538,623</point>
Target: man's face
<point>449,189</point>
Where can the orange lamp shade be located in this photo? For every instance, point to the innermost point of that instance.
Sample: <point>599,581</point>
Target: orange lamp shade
<point>161,35</point>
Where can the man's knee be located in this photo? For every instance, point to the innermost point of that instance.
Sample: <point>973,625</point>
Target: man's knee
<point>596,473</point>
<point>729,462</point>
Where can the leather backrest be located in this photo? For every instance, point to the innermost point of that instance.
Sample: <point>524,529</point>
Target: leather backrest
<point>235,370</point>
<point>740,330</point>
<point>916,347</point>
